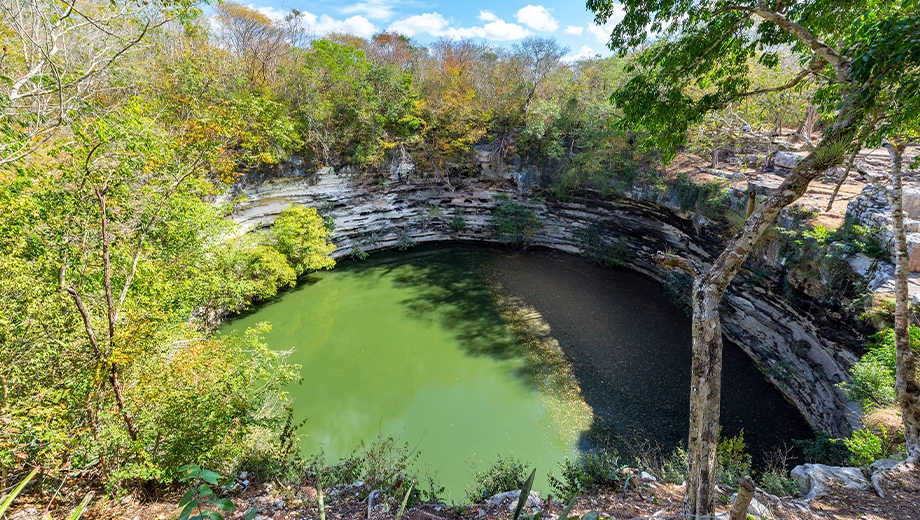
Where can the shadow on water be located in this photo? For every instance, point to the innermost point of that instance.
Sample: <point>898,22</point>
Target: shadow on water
<point>631,352</point>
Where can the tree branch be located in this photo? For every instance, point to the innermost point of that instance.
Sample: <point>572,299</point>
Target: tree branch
<point>691,267</point>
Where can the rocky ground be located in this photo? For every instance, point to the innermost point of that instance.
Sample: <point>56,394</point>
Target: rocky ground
<point>839,493</point>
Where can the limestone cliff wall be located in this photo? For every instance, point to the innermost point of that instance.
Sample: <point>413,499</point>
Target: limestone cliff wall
<point>803,348</point>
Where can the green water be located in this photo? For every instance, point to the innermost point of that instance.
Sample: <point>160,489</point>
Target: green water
<point>417,346</point>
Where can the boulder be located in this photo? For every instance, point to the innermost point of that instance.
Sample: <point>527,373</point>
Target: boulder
<point>533,500</point>
<point>911,203</point>
<point>813,479</point>
<point>786,160</point>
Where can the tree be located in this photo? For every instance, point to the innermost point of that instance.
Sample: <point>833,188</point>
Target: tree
<point>255,39</point>
<point>709,45</point>
<point>300,234</point>
<point>887,55</point>
<point>56,55</point>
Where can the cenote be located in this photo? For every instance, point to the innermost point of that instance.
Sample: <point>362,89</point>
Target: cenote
<point>446,348</point>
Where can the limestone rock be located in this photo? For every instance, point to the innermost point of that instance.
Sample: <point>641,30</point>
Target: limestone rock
<point>786,160</point>
<point>813,479</point>
<point>511,497</point>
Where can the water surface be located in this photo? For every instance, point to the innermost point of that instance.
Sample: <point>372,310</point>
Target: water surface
<point>439,348</point>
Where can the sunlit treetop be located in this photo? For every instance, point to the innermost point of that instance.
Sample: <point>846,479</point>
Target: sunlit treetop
<point>695,56</point>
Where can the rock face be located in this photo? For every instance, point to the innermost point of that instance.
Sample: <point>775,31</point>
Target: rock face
<point>802,347</point>
<point>787,160</point>
<point>815,479</point>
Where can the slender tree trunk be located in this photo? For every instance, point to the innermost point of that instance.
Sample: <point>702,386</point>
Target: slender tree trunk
<point>709,286</point>
<point>906,385</point>
<point>705,399</point>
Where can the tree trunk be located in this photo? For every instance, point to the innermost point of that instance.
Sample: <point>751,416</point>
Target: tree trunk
<point>709,286</point>
<point>742,500</point>
<point>906,385</point>
<point>705,399</point>
<point>811,117</point>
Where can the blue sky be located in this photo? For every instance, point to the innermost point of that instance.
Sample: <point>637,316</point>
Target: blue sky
<point>498,22</point>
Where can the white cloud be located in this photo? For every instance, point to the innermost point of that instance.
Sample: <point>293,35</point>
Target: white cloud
<point>430,23</point>
<point>574,29</point>
<point>487,16</point>
<point>584,52</point>
<point>372,9</point>
<point>325,24</point>
<point>537,17</point>
<point>270,12</point>
<point>602,32</point>
<point>436,25</point>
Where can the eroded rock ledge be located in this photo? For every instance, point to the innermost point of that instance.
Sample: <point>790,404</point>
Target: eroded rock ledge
<point>803,347</point>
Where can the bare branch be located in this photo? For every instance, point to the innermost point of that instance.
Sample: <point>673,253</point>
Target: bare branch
<point>691,267</point>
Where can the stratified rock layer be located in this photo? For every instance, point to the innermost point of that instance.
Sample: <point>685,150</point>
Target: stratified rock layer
<point>804,348</point>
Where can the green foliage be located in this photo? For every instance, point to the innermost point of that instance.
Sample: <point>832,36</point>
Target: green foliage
<point>506,474</point>
<point>673,468</point>
<point>734,463</point>
<point>866,447</point>
<point>601,251</point>
<point>301,235</point>
<point>872,378</point>
<point>591,471</point>
<point>383,465</point>
<point>524,496</point>
<point>200,502</point>
<point>818,255</point>
<point>779,483</point>
<point>823,450</point>
<point>709,198</point>
<point>514,223</point>
<point>458,221</point>
<point>404,240</point>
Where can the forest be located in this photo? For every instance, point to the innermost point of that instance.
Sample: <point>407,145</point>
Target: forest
<point>126,126</point>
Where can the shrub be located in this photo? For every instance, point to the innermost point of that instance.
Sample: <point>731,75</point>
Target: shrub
<point>872,378</point>
<point>775,478</point>
<point>514,223</point>
<point>779,483</point>
<point>300,234</point>
<point>507,474</point>
<point>208,403</point>
<point>734,463</point>
<point>708,198</point>
<point>673,468</point>
<point>600,251</point>
<point>384,465</point>
<point>404,240</point>
<point>823,450</point>
<point>458,221</point>
<point>866,447</point>
<point>591,471</point>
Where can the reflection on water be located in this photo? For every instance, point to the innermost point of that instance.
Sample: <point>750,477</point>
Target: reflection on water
<point>465,353</point>
<point>417,346</point>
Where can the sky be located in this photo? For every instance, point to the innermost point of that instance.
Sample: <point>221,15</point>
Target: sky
<point>497,22</point>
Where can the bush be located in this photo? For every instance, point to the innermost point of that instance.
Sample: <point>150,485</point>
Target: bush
<point>300,234</point>
<point>206,403</point>
<point>775,478</point>
<point>708,198</point>
<point>384,465</point>
<point>872,378</point>
<point>600,251</point>
<point>866,447</point>
<point>779,483</point>
<point>823,450</point>
<point>507,474</point>
<point>591,471</point>
<point>514,223</point>
<point>458,222</point>
<point>734,463</point>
